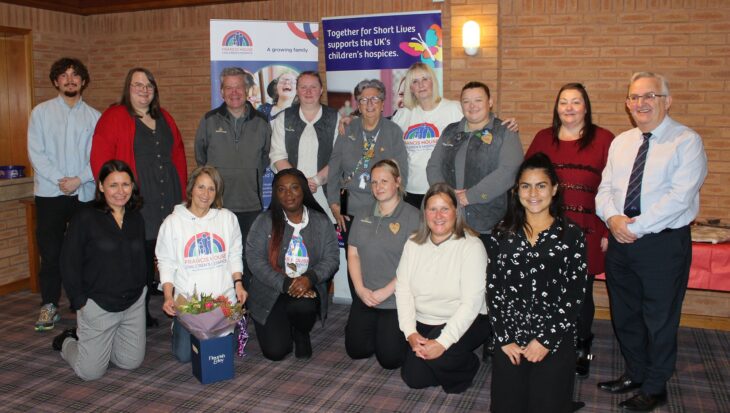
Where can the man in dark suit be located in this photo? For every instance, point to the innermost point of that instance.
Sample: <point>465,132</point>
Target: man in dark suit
<point>648,196</point>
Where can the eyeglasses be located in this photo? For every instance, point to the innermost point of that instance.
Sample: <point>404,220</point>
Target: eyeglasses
<point>372,99</point>
<point>648,97</point>
<point>139,87</point>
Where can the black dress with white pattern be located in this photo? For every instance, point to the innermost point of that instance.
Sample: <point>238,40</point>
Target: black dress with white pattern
<point>535,292</point>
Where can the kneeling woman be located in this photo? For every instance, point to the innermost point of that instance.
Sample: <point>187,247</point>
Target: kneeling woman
<point>440,296</point>
<point>535,294</point>
<point>104,274</point>
<point>199,250</point>
<point>292,251</point>
<point>375,247</point>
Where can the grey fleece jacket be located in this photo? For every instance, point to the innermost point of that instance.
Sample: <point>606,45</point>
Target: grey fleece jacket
<point>239,149</point>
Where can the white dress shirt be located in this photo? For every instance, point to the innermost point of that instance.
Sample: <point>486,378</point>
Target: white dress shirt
<point>676,166</point>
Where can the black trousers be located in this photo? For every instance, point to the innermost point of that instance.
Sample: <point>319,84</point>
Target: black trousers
<point>646,282</point>
<point>456,368</point>
<point>587,311</point>
<point>52,217</point>
<point>288,317</point>
<point>414,199</point>
<point>149,249</point>
<point>544,387</point>
<point>374,331</point>
<point>245,220</point>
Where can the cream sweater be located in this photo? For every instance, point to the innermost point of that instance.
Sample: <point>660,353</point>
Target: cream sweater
<point>442,284</point>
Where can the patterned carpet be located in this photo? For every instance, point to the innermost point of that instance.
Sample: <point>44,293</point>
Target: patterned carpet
<point>34,378</point>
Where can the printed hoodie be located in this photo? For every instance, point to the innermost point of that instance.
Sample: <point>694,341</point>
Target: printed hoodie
<point>200,254</point>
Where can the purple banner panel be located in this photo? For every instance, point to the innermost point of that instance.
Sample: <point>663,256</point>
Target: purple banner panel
<point>385,41</point>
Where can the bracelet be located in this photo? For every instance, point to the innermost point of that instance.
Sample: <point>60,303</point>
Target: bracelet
<point>239,280</point>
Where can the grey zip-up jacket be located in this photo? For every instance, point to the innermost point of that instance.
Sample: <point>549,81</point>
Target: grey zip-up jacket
<point>239,149</point>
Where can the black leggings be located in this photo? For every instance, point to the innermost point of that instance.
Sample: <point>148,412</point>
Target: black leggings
<point>374,331</point>
<point>276,336</point>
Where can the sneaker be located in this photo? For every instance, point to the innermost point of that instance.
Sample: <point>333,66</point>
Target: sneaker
<point>48,318</point>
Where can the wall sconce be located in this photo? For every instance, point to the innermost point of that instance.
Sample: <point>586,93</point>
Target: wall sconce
<point>470,37</point>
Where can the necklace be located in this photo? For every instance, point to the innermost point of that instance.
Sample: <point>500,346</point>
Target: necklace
<point>119,219</point>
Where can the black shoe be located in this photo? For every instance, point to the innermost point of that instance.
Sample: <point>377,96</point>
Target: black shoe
<point>642,402</point>
<point>59,339</point>
<point>620,385</point>
<point>584,357</point>
<point>302,345</point>
<point>151,321</point>
<point>575,406</point>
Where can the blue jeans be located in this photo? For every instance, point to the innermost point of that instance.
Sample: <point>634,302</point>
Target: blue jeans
<point>180,342</point>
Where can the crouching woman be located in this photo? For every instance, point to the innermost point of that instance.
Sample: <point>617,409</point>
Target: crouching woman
<point>104,275</point>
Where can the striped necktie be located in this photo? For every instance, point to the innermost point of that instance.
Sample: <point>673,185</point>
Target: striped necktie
<point>632,206</point>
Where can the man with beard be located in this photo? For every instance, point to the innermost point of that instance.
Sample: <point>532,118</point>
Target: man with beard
<point>59,143</point>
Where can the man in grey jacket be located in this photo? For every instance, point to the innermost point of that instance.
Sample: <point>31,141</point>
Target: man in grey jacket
<point>235,139</point>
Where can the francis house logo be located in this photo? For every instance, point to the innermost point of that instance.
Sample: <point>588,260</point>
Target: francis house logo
<point>237,42</point>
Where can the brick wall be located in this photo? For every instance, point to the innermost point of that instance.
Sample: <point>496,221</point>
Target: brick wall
<point>547,43</point>
<point>54,35</point>
<point>529,49</point>
<point>13,241</point>
<point>174,45</point>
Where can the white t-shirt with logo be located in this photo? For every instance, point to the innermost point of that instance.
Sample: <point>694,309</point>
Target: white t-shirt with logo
<point>296,259</point>
<point>421,131</point>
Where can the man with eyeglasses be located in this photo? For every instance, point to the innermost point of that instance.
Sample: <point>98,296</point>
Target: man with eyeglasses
<point>649,194</point>
<point>235,138</point>
<point>59,143</point>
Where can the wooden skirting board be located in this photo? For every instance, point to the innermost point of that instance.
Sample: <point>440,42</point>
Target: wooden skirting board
<point>701,308</point>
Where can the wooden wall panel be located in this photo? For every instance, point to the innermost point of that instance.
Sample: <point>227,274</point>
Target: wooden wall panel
<point>18,92</point>
<point>4,105</point>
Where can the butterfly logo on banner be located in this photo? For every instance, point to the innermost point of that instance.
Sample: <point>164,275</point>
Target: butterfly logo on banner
<point>430,49</point>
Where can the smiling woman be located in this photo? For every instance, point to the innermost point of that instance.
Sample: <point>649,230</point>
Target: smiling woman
<point>535,289</point>
<point>578,149</point>
<point>373,253</point>
<point>292,251</point>
<point>103,272</point>
<point>440,297</point>
<point>186,257</point>
<point>367,140</point>
<point>144,135</point>
<point>478,156</point>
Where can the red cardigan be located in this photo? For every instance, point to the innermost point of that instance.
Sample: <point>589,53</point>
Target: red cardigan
<point>114,139</point>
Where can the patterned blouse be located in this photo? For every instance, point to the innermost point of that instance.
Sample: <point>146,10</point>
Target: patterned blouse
<point>535,292</point>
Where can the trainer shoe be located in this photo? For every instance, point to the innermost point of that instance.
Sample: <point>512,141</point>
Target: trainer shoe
<point>48,318</point>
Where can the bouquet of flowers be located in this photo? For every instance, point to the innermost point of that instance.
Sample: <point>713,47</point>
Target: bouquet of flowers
<point>205,316</point>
